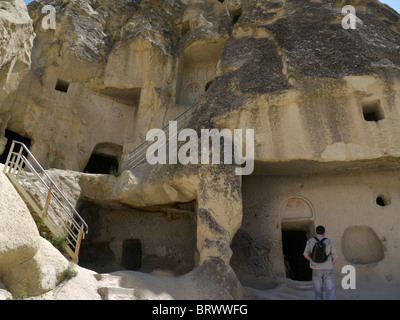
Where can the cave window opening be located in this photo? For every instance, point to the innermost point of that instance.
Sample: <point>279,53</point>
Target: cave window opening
<point>235,15</point>
<point>293,244</point>
<point>209,83</point>
<point>372,111</point>
<point>382,200</point>
<point>105,159</point>
<point>10,135</point>
<point>101,164</point>
<point>185,27</point>
<point>132,254</point>
<point>62,85</point>
<point>236,18</point>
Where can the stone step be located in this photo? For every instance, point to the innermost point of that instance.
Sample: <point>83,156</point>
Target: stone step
<point>117,293</point>
<point>107,280</point>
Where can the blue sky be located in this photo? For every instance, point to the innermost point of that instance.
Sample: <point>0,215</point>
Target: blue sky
<point>395,4</point>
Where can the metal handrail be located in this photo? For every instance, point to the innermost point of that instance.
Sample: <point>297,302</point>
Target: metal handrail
<point>138,154</point>
<point>45,184</point>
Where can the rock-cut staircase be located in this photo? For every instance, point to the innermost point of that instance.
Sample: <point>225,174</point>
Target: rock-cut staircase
<point>44,198</point>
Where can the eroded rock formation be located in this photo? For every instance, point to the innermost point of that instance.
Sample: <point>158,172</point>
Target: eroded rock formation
<point>323,101</point>
<point>16,37</point>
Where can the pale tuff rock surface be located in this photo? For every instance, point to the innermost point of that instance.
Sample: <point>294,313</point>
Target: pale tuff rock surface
<point>4,294</point>
<point>83,286</point>
<point>23,253</point>
<point>19,235</point>
<point>16,37</point>
<point>323,101</point>
<point>298,75</point>
<point>125,62</point>
<point>28,262</point>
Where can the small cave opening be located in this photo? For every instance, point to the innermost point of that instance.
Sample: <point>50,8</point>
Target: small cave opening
<point>132,254</point>
<point>62,85</point>
<point>185,27</point>
<point>236,18</point>
<point>372,111</point>
<point>208,84</point>
<point>101,164</point>
<point>235,14</point>
<point>293,244</point>
<point>382,200</point>
<point>10,135</point>
<point>105,159</point>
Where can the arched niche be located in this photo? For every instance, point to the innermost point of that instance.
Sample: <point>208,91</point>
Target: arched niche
<point>296,208</point>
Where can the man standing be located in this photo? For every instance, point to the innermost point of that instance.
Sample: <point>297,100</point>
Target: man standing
<point>321,253</point>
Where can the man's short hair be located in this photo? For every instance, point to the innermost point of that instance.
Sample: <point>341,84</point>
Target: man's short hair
<point>320,230</point>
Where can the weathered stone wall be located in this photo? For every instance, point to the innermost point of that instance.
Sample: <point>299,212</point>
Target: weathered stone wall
<point>122,66</point>
<point>25,256</point>
<point>16,38</point>
<point>325,122</point>
<point>359,212</point>
<point>320,99</point>
<point>167,238</point>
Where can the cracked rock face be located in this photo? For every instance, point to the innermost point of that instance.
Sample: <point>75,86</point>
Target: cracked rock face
<point>139,64</point>
<point>121,61</point>
<point>113,69</point>
<point>16,37</point>
<point>303,81</point>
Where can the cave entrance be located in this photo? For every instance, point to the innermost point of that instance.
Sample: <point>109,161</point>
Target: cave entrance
<point>10,135</point>
<point>105,159</point>
<point>293,244</point>
<point>100,164</point>
<point>144,240</point>
<point>132,254</point>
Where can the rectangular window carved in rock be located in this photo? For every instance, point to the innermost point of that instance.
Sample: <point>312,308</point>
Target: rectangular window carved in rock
<point>62,85</point>
<point>372,110</point>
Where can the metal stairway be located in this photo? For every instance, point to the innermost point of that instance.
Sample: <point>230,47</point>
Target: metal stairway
<point>44,198</point>
<point>138,155</point>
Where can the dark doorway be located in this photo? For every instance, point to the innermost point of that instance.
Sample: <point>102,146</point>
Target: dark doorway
<point>132,254</point>
<point>10,135</point>
<point>101,164</point>
<point>97,257</point>
<point>297,267</point>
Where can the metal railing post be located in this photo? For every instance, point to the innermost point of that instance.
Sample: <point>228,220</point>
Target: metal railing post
<point>18,158</point>
<point>9,157</point>
<point>46,206</point>
<point>20,162</point>
<point>12,163</point>
<point>78,242</point>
